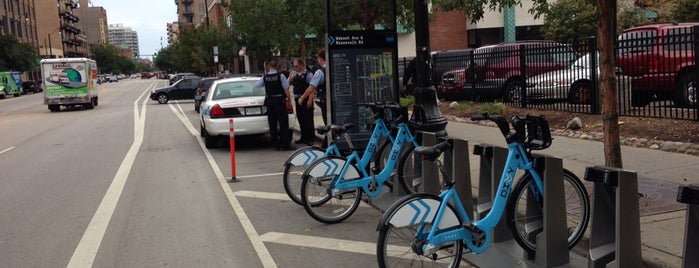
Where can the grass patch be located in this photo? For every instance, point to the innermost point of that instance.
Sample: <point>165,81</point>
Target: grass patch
<point>407,101</point>
<point>495,108</point>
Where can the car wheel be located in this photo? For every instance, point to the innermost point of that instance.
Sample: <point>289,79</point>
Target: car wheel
<point>640,98</point>
<point>90,105</point>
<point>209,140</point>
<point>162,98</point>
<point>512,91</point>
<point>686,95</point>
<point>580,93</point>
<point>54,108</point>
<point>201,130</point>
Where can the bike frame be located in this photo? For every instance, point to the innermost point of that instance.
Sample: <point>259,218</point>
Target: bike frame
<point>339,183</point>
<point>517,158</point>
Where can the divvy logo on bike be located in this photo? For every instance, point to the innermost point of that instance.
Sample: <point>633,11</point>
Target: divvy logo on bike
<point>509,176</point>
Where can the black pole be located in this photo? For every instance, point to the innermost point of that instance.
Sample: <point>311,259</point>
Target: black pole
<point>206,9</point>
<point>426,115</point>
<point>50,48</point>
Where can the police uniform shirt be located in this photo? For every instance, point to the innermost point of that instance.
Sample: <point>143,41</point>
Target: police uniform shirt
<point>261,82</point>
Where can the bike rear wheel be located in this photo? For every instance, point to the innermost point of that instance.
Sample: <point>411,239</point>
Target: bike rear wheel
<point>397,246</point>
<point>527,221</point>
<point>317,195</point>
<point>298,162</point>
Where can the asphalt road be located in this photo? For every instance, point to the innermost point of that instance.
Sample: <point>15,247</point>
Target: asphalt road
<point>130,184</point>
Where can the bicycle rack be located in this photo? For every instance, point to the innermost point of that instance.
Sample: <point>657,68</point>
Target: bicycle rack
<point>458,165</point>
<point>551,242</point>
<point>430,171</point>
<point>492,163</point>
<point>690,195</point>
<point>615,232</point>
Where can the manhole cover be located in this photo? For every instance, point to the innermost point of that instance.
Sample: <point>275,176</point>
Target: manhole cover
<point>657,197</point>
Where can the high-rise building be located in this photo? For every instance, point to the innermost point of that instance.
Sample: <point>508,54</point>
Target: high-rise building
<point>124,38</point>
<point>191,13</point>
<point>93,23</point>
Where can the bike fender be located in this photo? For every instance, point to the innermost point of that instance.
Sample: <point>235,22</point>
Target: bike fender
<point>414,209</point>
<point>331,166</point>
<point>305,156</point>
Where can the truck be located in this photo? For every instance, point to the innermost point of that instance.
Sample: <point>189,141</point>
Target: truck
<point>69,82</point>
<point>10,84</point>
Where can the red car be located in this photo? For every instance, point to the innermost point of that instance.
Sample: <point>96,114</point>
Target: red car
<point>495,72</point>
<point>659,59</point>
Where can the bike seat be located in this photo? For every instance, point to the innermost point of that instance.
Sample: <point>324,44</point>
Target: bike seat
<point>432,152</point>
<point>337,129</point>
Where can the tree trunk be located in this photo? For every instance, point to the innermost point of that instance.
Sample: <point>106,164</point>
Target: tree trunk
<point>610,117</point>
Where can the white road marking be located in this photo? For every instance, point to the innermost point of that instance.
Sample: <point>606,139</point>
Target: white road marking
<point>276,196</point>
<point>258,245</point>
<point>261,175</point>
<point>7,150</point>
<point>324,243</point>
<point>86,251</point>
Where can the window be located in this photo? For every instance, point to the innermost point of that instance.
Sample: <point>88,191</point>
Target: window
<point>202,8</point>
<point>637,41</point>
<point>678,39</point>
<point>237,89</point>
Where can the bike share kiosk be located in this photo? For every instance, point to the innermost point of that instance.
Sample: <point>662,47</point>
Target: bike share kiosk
<point>690,195</point>
<point>362,64</point>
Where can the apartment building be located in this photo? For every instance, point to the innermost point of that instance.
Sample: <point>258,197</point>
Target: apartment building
<point>93,23</point>
<point>124,37</point>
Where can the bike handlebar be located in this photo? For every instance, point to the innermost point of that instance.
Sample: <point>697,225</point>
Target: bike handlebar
<point>380,109</point>
<point>519,125</point>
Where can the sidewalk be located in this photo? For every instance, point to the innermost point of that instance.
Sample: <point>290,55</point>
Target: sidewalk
<point>659,173</point>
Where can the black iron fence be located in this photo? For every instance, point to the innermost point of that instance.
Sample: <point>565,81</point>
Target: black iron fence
<point>656,74</point>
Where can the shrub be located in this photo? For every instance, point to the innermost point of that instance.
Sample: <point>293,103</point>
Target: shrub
<point>495,108</point>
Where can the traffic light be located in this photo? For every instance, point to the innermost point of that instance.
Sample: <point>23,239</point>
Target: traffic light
<point>155,55</point>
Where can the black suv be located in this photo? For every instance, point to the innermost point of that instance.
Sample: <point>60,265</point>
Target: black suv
<point>180,90</point>
<point>202,88</point>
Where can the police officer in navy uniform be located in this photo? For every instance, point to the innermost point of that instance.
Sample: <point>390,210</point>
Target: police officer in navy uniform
<point>316,89</point>
<point>276,95</point>
<point>300,79</point>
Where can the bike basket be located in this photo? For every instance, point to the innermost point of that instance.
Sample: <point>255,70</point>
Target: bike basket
<point>538,133</point>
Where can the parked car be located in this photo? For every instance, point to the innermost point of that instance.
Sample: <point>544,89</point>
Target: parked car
<point>181,90</point>
<point>31,86</point>
<point>202,88</point>
<point>659,59</point>
<point>235,98</point>
<point>573,84</point>
<point>112,79</point>
<point>495,71</point>
<point>177,77</point>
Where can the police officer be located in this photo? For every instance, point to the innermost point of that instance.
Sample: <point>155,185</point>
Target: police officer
<point>316,89</point>
<point>301,79</point>
<point>276,95</point>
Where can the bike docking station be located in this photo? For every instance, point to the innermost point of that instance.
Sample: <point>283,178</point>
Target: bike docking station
<point>615,231</point>
<point>690,195</point>
<point>550,235</point>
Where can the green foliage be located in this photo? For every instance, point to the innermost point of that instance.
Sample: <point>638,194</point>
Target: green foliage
<point>474,9</point>
<point>15,55</point>
<point>407,101</point>
<point>463,105</point>
<point>110,60</point>
<point>686,10</point>
<point>493,108</point>
<point>570,21</point>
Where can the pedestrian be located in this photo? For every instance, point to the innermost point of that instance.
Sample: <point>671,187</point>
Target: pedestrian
<point>276,96</point>
<point>300,79</point>
<point>409,77</point>
<point>316,89</point>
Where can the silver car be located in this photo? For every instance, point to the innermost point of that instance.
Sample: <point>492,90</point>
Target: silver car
<point>238,99</point>
<point>572,84</point>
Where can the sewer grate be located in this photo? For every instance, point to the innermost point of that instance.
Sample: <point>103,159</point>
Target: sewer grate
<point>657,197</point>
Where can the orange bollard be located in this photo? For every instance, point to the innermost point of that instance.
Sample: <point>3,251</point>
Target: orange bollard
<point>232,142</point>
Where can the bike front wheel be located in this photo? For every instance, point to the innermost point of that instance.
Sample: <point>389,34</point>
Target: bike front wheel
<point>297,163</point>
<point>526,219</point>
<point>399,246</point>
<point>319,197</point>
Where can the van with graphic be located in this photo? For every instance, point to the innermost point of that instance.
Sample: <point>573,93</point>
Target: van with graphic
<point>69,82</point>
<point>10,84</point>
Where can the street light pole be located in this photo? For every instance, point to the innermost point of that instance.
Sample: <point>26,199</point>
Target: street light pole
<point>426,115</point>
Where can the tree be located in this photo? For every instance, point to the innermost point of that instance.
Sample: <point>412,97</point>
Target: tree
<point>15,55</point>
<point>474,10</point>
<point>686,10</point>
<point>570,21</point>
<point>262,26</point>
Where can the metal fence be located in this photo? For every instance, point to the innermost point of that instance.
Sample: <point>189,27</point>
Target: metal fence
<point>656,74</point>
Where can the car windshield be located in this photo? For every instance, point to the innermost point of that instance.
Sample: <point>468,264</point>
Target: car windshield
<point>237,89</point>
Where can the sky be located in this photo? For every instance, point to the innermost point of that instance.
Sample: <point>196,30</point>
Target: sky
<point>147,17</point>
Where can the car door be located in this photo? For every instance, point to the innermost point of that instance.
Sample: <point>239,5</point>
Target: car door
<point>179,90</point>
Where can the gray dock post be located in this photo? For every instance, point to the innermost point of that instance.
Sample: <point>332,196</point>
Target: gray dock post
<point>430,171</point>
<point>461,172</point>
<point>552,242</point>
<point>690,195</point>
<point>492,163</point>
<point>615,236</point>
